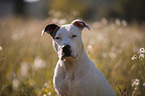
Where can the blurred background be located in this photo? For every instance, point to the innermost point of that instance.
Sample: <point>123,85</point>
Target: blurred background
<point>116,43</point>
<point>129,10</point>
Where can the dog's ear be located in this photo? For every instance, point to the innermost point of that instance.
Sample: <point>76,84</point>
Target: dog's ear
<point>51,29</point>
<point>80,24</point>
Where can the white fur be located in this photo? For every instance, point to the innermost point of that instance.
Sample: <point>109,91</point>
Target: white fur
<point>77,75</point>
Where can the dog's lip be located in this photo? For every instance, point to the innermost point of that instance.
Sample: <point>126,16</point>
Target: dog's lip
<point>67,57</point>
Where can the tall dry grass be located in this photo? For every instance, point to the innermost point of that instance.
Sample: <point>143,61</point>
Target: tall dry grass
<point>27,60</point>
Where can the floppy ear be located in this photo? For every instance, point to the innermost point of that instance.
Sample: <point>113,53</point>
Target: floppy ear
<point>80,24</point>
<point>51,29</point>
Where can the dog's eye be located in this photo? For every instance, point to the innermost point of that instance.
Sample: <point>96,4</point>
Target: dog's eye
<point>57,37</point>
<point>74,35</point>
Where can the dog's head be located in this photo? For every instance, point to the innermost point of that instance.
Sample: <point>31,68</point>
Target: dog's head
<point>67,40</point>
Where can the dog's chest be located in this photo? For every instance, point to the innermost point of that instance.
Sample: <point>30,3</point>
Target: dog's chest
<point>71,87</point>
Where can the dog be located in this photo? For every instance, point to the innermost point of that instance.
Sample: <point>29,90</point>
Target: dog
<point>75,74</point>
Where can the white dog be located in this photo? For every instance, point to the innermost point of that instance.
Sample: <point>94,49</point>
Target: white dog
<point>75,74</point>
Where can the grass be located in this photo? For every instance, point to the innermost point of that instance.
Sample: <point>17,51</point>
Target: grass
<point>27,60</point>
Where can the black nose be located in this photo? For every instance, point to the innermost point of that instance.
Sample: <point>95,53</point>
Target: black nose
<point>67,50</point>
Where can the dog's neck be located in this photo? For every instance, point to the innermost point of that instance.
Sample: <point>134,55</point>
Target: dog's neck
<point>73,65</point>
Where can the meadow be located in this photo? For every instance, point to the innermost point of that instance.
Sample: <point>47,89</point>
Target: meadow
<point>27,59</point>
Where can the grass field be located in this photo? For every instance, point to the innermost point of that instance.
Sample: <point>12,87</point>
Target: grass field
<point>27,60</point>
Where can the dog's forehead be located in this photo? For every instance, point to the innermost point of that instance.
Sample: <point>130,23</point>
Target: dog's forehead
<point>69,28</point>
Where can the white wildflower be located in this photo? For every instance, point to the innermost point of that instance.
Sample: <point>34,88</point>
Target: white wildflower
<point>38,63</point>
<point>55,20</point>
<point>134,57</point>
<point>24,69</point>
<point>46,85</point>
<point>141,56</point>
<point>142,50</point>
<point>112,55</point>
<point>117,21</point>
<point>15,84</point>
<point>17,36</point>
<point>89,48</point>
<point>1,48</point>
<point>135,82</point>
<point>62,21</point>
<point>49,94</point>
<point>44,95</point>
<point>124,23</point>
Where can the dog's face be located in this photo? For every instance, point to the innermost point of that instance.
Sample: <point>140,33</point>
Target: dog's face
<point>67,40</point>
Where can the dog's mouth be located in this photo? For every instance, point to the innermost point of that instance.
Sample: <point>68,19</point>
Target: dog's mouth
<point>65,57</point>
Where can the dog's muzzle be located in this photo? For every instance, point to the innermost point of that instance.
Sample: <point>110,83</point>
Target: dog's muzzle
<point>66,49</point>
